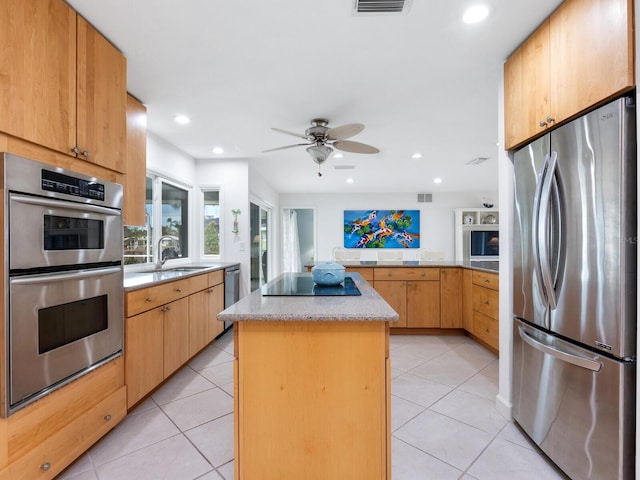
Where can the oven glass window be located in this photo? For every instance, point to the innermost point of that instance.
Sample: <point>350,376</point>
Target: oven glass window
<point>63,324</point>
<point>70,233</point>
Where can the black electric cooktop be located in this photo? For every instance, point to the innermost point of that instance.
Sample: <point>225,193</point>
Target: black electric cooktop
<point>301,284</point>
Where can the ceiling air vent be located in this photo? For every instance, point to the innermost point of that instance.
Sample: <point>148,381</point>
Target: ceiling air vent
<point>344,167</point>
<point>425,198</point>
<point>477,161</point>
<point>380,6</point>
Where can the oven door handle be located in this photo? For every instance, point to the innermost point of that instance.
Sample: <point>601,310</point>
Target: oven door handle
<point>60,277</point>
<point>48,202</point>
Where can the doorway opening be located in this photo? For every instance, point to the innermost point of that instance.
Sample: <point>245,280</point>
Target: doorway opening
<point>298,238</point>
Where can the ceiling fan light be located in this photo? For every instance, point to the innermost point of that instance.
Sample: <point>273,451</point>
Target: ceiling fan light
<point>319,153</point>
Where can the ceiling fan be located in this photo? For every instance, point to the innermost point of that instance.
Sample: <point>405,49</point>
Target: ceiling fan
<point>322,140</point>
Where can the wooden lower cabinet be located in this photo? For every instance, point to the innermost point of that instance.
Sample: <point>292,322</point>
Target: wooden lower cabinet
<point>166,325</point>
<point>412,292</point>
<point>42,439</point>
<point>144,353</point>
<point>423,304</point>
<point>395,294</point>
<point>312,400</point>
<point>484,326</point>
<point>203,308</point>
<point>451,298</point>
<point>176,335</point>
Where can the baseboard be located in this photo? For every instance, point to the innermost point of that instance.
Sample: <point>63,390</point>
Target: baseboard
<point>504,407</point>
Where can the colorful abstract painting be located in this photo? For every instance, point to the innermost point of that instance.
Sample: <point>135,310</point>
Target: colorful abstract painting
<point>382,228</point>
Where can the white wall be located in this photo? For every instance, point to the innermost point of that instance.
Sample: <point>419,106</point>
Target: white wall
<point>437,230</point>
<point>506,187</point>
<point>166,160</point>
<point>233,176</point>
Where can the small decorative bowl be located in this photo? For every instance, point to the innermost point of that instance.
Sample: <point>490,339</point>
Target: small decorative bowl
<point>487,204</point>
<point>328,274</point>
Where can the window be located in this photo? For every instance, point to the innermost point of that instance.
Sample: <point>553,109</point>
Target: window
<point>175,221</point>
<point>171,211</point>
<point>211,228</point>
<point>138,240</point>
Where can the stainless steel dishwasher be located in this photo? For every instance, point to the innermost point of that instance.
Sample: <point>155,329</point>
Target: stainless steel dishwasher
<point>231,288</point>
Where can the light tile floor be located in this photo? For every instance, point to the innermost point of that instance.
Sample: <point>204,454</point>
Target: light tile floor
<point>444,421</point>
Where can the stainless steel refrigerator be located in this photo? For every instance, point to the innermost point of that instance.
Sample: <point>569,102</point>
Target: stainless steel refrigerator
<point>574,293</point>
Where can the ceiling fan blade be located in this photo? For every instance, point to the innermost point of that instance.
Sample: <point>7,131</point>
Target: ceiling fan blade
<point>354,147</point>
<point>288,146</point>
<point>344,131</point>
<point>301,135</point>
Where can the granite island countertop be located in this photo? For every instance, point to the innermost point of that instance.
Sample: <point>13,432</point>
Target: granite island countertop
<point>368,306</point>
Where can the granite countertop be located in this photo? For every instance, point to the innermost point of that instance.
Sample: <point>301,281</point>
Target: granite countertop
<point>135,279</point>
<point>369,306</point>
<point>484,265</point>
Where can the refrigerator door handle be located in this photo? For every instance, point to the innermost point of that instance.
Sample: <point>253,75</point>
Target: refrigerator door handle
<point>555,352</point>
<point>544,213</point>
<point>535,230</point>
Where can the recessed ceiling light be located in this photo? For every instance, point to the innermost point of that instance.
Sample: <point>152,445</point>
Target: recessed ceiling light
<point>475,14</point>
<point>338,155</point>
<point>349,180</point>
<point>437,180</point>
<point>218,150</point>
<point>182,119</point>
<point>416,155</point>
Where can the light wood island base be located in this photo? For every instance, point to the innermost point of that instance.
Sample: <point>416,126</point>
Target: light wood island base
<point>312,400</point>
<point>312,382</point>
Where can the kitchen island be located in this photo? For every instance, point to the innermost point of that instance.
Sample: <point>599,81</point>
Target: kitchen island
<point>312,384</point>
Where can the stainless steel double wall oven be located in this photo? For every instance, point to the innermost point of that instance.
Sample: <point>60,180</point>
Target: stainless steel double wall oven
<point>63,258</point>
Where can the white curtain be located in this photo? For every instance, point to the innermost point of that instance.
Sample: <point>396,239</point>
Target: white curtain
<point>291,243</point>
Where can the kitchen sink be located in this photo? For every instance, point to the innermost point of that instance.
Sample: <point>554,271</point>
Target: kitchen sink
<point>181,269</point>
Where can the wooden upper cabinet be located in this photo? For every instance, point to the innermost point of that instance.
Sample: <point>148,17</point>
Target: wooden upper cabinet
<point>582,55</point>
<point>62,85</point>
<point>38,72</point>
<point>101,100</point>
<point>136,163</point>
<point>592,53</point>
<point>526,87</point>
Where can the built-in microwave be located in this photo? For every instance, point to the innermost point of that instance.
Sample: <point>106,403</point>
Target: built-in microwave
<point>484,245</point>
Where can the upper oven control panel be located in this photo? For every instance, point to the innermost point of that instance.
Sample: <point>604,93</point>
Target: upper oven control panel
<point>61,183</point>
<point>30,177</point>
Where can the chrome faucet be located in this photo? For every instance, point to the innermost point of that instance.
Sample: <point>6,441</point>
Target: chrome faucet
<point>159,260</point>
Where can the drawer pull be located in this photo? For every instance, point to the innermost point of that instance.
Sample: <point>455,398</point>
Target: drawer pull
<point>107,417</point>
<point>210,290</point>
<point>486,330</point>
<point>486,280</point>
<point>166,308</point>
<point>148,300</point>
<point>424,274</point>
<point>486,302</point>
<point>178,290</point>
<point>45,466</point>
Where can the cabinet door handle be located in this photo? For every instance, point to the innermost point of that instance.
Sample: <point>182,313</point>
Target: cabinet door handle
<point>76,150</point>
<point>210,290</point>
<point>148,299</point>
<point>550,119</point>
<point>542,123</point>
<point>45,466</point>
<point>85,153</point>
<point>178,290</point>
<point>107,417</point>
<point>167,308</point>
